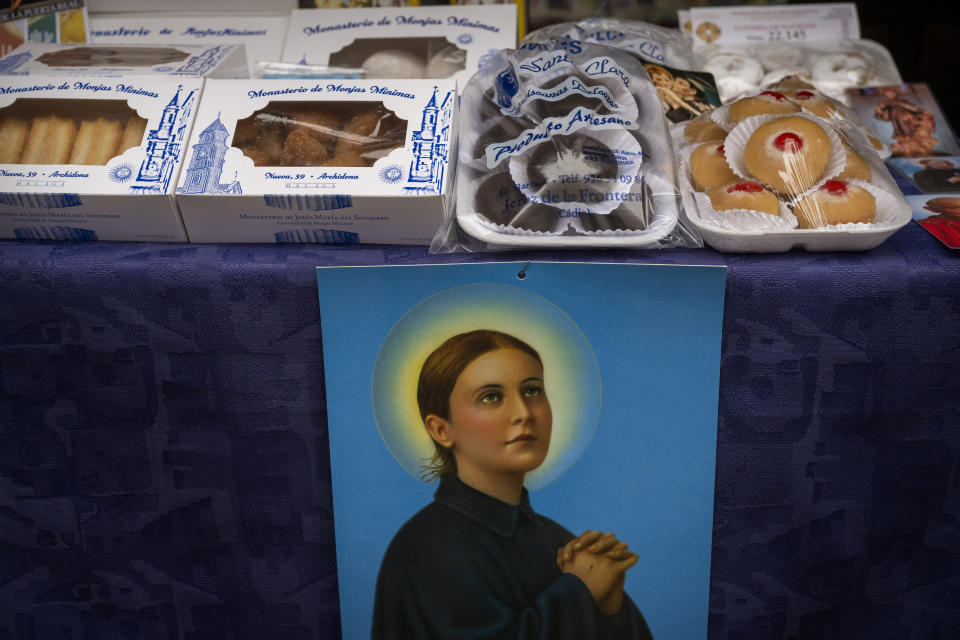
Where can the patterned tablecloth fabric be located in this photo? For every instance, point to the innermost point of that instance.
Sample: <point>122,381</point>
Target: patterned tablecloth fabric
<point>164,470</point>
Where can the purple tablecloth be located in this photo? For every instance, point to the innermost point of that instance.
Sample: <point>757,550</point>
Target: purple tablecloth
<point>164,469</point>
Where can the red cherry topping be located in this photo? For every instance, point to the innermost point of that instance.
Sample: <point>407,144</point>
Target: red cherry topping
<point>720,150</point>
<point>805,95</point>
<point>835,187</point>
<point>746,186</point>
<point>788,142</point>
<point>773,94</point>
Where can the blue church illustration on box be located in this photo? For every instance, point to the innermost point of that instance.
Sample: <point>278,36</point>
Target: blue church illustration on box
<point>164,145</point>
<point>206,163</point>
<point>200,64</point>
<point>430,145</point>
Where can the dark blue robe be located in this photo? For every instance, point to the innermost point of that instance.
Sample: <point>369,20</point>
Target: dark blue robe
<point>471,566</point>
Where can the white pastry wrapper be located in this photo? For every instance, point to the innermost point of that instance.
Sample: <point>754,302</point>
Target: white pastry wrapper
<point>568,184</point>
<point>652,215</point>
<point>890,209</point>
<point>644,219</point>
<point>534,100</point>
<point>738,137</point>
<point>744,220</point>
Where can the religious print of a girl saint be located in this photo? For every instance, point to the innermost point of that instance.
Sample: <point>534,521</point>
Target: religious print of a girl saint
<point>492,515</point>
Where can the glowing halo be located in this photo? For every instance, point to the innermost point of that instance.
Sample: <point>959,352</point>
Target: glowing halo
<point>572,377</point>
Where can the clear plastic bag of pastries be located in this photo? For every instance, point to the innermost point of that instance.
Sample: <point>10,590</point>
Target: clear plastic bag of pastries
<point>786,167</point>
<point>563,149</point>
<point>79,132</point>
<point>831,67</point>
<point>319,134</point>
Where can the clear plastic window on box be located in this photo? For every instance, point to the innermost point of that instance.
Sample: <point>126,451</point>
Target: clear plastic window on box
<point>87,132</point>
<point>316,134</point>
<point>107,56</point>
<point>401,57</point>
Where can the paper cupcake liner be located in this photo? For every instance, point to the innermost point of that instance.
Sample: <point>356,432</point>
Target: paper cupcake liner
<point>519,231</point>
<point>653,221</point>
<point>745,220</point>
<point>737,140</point>
<point>612,95</point>
<point>468,153</point>
<point>601,197</point>
<point>494,202</point>
<point>677,137</point>
<point>891,210</point>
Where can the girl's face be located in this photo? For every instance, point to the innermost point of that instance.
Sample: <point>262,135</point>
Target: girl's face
<point>500,418</point>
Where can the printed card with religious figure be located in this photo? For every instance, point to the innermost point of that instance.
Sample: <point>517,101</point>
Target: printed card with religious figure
<point>930,175</point>
<point>522,450</point>
<point>939,214</point>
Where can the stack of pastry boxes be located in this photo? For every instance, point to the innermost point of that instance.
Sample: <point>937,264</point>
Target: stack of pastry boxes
<point>92,138</point>
<point>365,159</point>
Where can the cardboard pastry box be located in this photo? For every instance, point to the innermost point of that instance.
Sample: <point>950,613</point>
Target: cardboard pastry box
<point>402,42</point>
<point>261,35</point>
<point>124,60</point>
<point>319,161</point>
<point>93,158</point>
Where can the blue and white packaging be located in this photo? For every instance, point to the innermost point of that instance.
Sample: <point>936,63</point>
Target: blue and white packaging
<point>261,35</point>
<point>213,60</point>
<point>403,42</point>
<point>649,42</point>
<point>318,161</point>
<point>564,149</point>
<point>93,158</point>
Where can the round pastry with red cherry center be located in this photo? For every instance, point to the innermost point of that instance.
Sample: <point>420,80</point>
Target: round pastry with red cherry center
<point>811,101</point>
<point>836,202</point>
<point>709,168</point>
<point>788,154</point>
<point>744,194</point>
<point>765,102</point>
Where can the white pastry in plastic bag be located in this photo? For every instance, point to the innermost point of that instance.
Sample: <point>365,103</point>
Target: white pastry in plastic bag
<point>831,67</point>
<point>563,149</point>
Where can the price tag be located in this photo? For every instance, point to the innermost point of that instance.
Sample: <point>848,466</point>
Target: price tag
<point>780,23</point>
